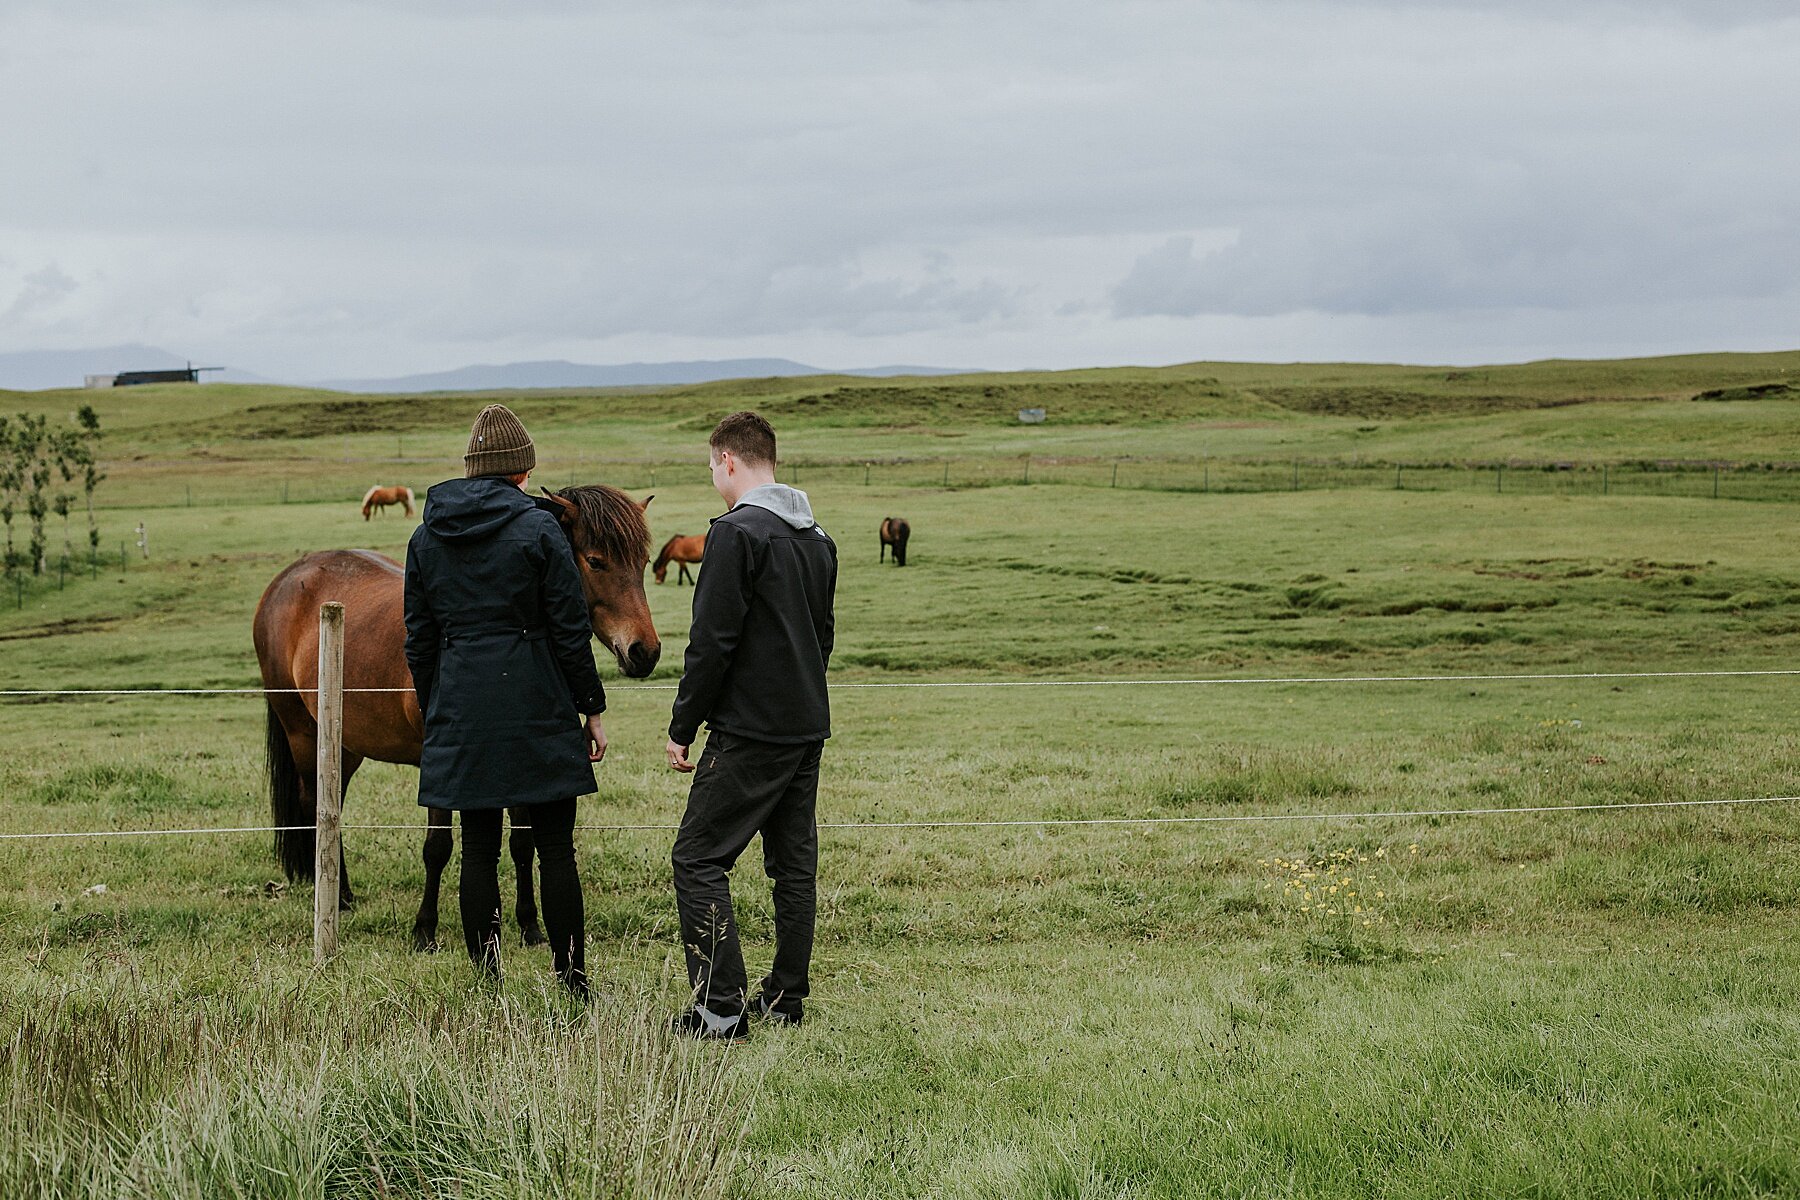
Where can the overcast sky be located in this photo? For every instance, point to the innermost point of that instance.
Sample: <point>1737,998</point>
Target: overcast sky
<point>312,190</point>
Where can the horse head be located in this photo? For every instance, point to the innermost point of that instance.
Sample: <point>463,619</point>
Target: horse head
<point>611,541</point>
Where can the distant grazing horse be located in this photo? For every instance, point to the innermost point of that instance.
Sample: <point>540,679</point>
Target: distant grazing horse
<point>611,544</point>
<point>894,532</point>
<point>378,498</point>
<point>682,549</point>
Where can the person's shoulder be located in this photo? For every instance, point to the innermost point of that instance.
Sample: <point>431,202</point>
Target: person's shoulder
<point>538,522</point>
<point>746,520</point>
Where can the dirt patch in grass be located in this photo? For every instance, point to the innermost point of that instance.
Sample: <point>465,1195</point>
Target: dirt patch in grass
<point>63,627</point>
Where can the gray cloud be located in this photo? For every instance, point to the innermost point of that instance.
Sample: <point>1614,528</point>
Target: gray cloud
<point>331,189</point>
<point>41,290</point>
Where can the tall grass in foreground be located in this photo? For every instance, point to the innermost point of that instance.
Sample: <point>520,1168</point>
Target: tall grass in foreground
<point>134,1092</point>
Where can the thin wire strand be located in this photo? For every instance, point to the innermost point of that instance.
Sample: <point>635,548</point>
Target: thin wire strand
<point>1038,822</point>
<point>1217,681</point>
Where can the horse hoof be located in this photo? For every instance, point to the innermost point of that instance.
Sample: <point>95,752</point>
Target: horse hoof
<point>424,943</point>
<point>533,935</point>
<point>346,903</point>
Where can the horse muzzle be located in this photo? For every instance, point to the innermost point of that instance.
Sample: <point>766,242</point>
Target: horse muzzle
<point>637,659</point>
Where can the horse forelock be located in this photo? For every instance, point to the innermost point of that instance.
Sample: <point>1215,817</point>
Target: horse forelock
<point>610,521</point>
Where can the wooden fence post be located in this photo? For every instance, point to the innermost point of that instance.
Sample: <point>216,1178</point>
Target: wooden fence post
<point>330,763</point>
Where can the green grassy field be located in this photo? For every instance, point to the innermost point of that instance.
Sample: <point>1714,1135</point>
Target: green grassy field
<point>1580,1004</point>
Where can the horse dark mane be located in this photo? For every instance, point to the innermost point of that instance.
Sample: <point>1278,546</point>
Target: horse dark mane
<point>611,522</point>
<point>662,557</point>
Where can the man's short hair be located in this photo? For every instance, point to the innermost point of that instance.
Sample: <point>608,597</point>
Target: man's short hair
<point>749,438</point>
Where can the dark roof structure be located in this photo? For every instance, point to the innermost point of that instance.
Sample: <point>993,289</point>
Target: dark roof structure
<point>187,374</point>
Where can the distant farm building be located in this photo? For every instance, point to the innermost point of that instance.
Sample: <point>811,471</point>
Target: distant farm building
<point>187,374</point>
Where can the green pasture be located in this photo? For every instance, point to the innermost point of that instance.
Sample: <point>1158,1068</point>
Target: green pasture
<point>1594,1003</point>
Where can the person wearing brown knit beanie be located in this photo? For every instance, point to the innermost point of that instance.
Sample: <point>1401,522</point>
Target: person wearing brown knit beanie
<point>497,633</point>
<point>498,445</point>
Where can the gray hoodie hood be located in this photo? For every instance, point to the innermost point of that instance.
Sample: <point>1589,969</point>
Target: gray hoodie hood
<point>790,504</point>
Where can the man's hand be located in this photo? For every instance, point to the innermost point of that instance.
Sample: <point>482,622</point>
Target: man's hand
<point>596,736</point>
<point>678,758</point>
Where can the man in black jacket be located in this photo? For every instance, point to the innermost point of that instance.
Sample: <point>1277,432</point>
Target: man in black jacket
<point>497,640</point>
<point>755,674</point>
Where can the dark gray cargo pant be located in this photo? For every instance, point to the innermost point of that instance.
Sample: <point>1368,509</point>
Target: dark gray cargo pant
<point>743,787</point>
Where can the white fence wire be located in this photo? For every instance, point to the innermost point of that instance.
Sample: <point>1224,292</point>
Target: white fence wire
<point>1038,823</point>
<point>1213,681</point>
<point>1022,823</point>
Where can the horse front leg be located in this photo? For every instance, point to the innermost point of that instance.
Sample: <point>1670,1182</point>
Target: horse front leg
<point>524,846</point>
<point>437,857</point>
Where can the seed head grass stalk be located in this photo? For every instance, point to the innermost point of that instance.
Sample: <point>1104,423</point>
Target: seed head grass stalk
<point>111,1087</point>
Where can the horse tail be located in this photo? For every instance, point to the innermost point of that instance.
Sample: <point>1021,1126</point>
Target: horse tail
<point>287,806</point>
<point>409,501</point>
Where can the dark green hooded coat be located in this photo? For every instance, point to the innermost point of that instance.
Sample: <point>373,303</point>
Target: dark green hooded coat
<point>497,639</point>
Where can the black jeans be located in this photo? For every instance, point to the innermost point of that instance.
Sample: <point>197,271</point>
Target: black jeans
<point>565,922</point>
<point>743,787</point>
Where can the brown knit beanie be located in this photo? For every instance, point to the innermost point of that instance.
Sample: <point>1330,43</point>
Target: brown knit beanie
<point>498,445</point>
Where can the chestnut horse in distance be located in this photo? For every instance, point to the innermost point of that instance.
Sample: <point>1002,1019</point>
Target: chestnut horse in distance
<point>683,549</point>
<point>894,532</point>
<point>378,498</point>
<point>611,544</point>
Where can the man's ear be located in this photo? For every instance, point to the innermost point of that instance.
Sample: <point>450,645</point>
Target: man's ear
<point>567,507</point>
<point>644,504</point>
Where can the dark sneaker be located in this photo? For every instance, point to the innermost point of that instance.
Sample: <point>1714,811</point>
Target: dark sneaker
<point>698,1022</point>
<point>777,1011</point>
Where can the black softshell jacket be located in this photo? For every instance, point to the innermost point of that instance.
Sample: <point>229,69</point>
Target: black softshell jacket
<point>497,639</point>
<point>762,632</point>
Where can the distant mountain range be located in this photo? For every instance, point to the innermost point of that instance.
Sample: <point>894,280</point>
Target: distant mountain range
<point>29,370</point>
<point>560,374</point>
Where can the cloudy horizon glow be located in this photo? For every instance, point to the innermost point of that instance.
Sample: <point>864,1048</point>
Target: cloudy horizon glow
<point>320,190</point>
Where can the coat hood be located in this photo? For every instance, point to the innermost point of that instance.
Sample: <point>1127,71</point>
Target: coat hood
<point>790,504</point>
<point>468,510</point>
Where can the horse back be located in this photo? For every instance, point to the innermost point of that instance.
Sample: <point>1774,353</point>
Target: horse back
<point>371,587</point>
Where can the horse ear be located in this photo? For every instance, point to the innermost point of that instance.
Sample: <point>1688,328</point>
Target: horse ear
<point>644,504</point>
<point>567,515</point>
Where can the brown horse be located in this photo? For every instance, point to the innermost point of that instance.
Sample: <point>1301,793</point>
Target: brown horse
<point>611,544</point>
<point>378,498</point>
<point>683,549</point>
<point>894,532</point>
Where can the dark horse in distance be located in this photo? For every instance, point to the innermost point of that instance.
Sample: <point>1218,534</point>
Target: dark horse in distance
<point>611,544</point>
<point>894,532</point>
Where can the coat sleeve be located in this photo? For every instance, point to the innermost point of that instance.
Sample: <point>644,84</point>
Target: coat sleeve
<point>565,610</point>
<point>721,603</point>
<point>828,627</point>
<point>424,636</point>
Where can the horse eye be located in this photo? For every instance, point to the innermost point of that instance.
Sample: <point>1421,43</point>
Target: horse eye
<point>595,562</point>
